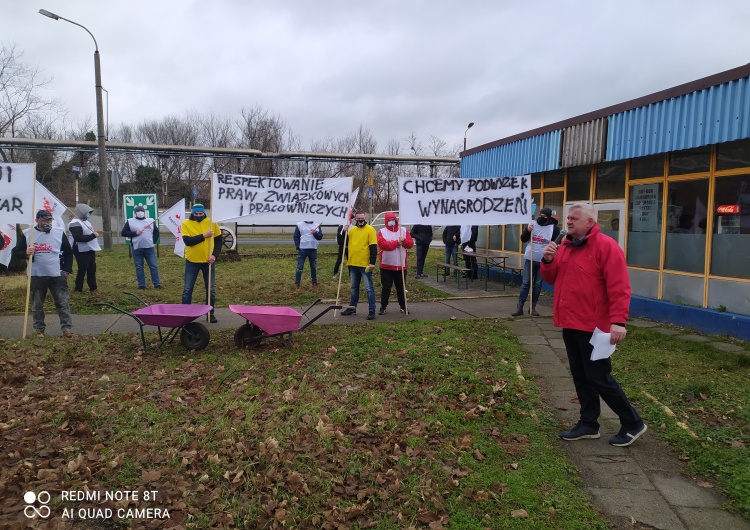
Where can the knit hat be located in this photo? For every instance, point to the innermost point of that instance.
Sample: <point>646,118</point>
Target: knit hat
<point>546,211</point>
<point>139,208</point>
<point>198,208</point>
<point>44,214</point>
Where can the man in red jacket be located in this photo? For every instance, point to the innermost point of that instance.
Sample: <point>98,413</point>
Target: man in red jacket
<point>592,290</point>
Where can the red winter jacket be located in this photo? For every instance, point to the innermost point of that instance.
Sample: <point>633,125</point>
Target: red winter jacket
<point>391,256</point>
<point>592,286</point>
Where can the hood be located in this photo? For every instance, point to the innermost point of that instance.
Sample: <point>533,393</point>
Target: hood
<point>390,216</point>
<point>81,210</point>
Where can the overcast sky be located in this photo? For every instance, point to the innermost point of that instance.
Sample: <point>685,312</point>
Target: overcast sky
<point>395,67</point>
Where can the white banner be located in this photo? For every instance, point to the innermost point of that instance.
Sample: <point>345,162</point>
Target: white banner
<point>172,219</point>
<point>7,242</point>
<point>46,201</point>
<point>16,193</point>
<point>279,200</point>
<point>350,211</point>
<point>487,201</point>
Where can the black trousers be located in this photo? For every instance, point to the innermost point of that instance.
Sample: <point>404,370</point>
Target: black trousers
<point>471,263</point>
<point>339,257</point>
<point>421,255</point>
<point>86,262</point>
<point>387,279</point>
<point>593,379</point>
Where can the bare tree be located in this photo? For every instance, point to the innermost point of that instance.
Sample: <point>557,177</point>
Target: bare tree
<point>21,99</point>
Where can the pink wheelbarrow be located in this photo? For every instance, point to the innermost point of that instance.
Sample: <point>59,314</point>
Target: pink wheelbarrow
<point>179,317</point>
<point>265,321</point>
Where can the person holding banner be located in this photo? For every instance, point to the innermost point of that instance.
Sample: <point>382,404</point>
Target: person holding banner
<point>340,240</point>
<point>469,235</point>
<point>142,232</point>
<point>422,235</point>
<point>51,263</point>
<point>393,242</point>
<point>203,241</point>
<point>363,251</point>
<point>540,233</point>
<point>307,236</point>
<point>85,247</point>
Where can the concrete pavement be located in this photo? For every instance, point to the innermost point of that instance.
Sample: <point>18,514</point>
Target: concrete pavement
<point>641,486</point>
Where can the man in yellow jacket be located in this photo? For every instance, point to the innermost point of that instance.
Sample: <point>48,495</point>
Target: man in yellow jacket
<point>363,251</point>
<point>203,241</point>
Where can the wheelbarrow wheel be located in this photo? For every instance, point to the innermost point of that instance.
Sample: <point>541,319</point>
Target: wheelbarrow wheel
<point>248,336</point>
<point>194,336</point>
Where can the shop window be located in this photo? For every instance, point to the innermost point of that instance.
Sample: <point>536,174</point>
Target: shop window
<point>644,225</point>
<point>647,167</point>
<point>686,226</point>
<point>536,181</point>
<point>733,155</point>
<point>610,181</point>
<point>554,201</point>
<point>496,238</point>
<point>554,179</point>
<point>579,184</point>
<point>730,245</point>
<point>512,238</point>
<point>690,161</point>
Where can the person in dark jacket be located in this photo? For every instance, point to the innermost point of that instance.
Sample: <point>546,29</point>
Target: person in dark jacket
<point>52,262</point>
<point>85,247</point>
<point>422,236</point>
<point>143,233</point>
<point>469,235</point>
<point>340,238</point>
<point>451,240</point>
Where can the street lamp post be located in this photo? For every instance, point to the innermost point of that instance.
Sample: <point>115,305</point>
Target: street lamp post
<point>471,124</point>
<point>103,175</point>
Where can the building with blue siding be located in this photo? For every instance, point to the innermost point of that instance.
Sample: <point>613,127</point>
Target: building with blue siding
<point>669,177</point>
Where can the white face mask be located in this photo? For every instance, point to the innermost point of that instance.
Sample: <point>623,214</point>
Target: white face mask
<point>391,223</point>
<point>140,215</point>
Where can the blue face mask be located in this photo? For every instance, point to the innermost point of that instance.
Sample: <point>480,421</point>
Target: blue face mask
<point>87,215</point>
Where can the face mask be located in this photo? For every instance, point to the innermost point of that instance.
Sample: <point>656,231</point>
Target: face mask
<point>140,215</point>
<point>46,227</point>
<point>361,222</point>
<point>391,223</point>
<point>541,221</point>
<point>87,215</point>
<point>199,216</point>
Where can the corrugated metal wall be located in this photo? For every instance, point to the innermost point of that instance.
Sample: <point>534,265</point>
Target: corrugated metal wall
<point>583,144</point>
<point>720,113</point>
<point>530,155</point>
<point>717,114</point>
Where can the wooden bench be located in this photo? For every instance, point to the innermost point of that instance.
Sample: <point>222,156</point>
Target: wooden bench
<point>457,272</point>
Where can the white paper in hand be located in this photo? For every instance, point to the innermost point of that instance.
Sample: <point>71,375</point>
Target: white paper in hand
<point>602,348</point>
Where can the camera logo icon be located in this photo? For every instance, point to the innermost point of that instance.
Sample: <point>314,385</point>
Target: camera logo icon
<point>30,510</point>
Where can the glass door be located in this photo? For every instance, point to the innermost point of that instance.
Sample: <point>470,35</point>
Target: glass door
<point>611,218</point>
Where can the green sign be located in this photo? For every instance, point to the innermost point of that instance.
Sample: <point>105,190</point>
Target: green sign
<point>147,200</point>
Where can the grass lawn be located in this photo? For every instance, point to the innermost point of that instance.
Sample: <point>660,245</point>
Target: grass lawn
<point>413,424</point>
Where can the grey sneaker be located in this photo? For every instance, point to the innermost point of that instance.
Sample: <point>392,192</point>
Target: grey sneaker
<point>579,432</point>
<point>371,315</point>
<point>626,437</point>
<point>39,333</point>
<point>349,311</point>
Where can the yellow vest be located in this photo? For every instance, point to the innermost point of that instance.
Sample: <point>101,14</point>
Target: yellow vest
<point>360,240</point>
<point>199,253</point>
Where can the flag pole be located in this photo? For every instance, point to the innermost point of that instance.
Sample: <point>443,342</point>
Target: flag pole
<point>30,259</point>
<point>402,263</point>
<point>210,251</point>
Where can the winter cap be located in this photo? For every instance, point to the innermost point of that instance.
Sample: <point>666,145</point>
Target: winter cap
<point>546,211</point>
<point>44,214</point>
<point>198,208</point>
<point>139,208</point>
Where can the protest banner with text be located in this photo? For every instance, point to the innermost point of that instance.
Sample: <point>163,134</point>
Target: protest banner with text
<point>487,201</point>
<point>17,193</point>
<point>279,200</point>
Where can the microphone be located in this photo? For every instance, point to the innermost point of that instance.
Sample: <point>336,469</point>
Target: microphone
<point>560,237</point>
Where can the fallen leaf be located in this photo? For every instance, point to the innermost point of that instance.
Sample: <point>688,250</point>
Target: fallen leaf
<point>520,514</point>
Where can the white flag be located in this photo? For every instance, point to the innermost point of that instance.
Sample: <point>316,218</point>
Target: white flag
<point>16,193</point>
<point>7,242</point>
<point>350,212</point>
<point>46,201</point>
<point>172,219</point>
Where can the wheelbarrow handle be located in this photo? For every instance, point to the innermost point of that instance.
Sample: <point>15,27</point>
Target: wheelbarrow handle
<point>136,297</point>
<point>131,315</point>
<point>312,305</point>
<point>316,317</point>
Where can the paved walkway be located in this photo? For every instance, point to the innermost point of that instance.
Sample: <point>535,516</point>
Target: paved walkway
<point>642,486</point>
